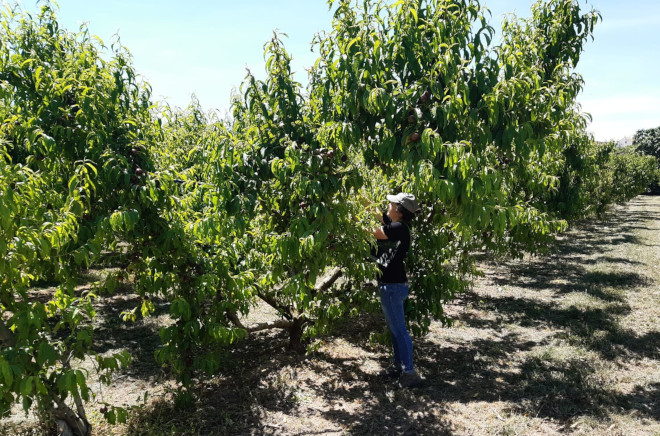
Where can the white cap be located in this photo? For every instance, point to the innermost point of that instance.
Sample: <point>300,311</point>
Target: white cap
<point>406,200</point>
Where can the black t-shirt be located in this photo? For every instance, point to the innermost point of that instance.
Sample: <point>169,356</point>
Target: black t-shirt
<point>392,251</point>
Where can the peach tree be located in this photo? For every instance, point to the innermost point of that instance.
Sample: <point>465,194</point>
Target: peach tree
<point>418,98</point>
<point>197,261</point>
<point>477,131</point>
<point>75,126</point>
<point>301,229</point>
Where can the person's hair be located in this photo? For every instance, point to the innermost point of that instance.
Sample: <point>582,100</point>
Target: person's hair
<point>406,215</point>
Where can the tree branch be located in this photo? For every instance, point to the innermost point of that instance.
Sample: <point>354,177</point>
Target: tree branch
<point>81,410</point>
<point>84,427</point>
<point>279,324</point>
<point>233,317</point>
<point>289,322</point>
<point>329,281</point>
<point>274,304</point>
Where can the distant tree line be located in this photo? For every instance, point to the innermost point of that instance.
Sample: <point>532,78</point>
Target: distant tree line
<point>647,141</point>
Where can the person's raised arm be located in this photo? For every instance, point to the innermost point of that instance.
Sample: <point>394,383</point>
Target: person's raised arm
<point>379,233</point>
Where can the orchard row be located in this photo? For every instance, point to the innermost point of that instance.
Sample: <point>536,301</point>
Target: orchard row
<point>213,215</point>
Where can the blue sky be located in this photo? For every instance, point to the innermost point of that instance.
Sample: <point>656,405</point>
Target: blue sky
<point>204,47</point>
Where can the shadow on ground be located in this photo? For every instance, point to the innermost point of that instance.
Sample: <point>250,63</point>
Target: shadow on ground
<point>506,367</point>
<point>140,338</point>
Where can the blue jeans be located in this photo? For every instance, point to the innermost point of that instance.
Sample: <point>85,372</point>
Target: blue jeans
<point>392,296</point>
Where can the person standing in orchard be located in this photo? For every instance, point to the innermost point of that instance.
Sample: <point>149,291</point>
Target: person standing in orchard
<point>393,239</point>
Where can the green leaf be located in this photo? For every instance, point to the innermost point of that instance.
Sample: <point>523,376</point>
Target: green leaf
<point>37,76</point>
<point>180,309</point>
<point>26,386</point>
<point>7,373</point>
<point>46,354</point>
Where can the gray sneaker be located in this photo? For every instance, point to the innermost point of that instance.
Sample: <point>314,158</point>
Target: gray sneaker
<point>410,380</point>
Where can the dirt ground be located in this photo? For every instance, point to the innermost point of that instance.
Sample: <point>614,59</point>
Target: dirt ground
<point>562,344</point>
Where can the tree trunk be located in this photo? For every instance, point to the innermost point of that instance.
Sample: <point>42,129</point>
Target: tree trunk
<point>68,422</point>
<point>295,335</point>
<point>63,429</point>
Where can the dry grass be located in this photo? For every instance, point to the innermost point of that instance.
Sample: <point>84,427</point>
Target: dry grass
<point>563,344</point>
